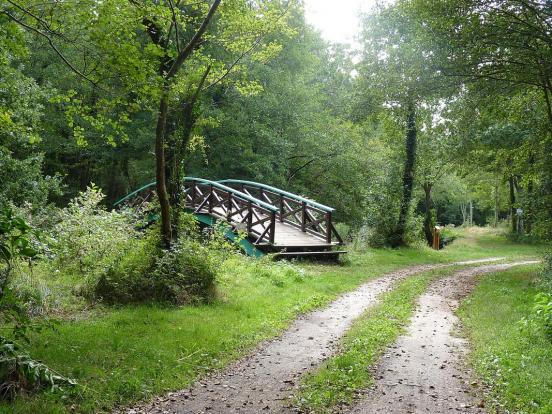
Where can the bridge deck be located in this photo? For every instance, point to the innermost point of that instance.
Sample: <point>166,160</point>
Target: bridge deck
<point>290,236</point>
<point>285,235</point>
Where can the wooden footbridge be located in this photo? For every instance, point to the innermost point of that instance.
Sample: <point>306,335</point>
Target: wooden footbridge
<point>274,220</point>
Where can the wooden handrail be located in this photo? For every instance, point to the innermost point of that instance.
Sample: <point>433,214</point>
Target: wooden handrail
<point>255,206</point>
<point>279,191</point>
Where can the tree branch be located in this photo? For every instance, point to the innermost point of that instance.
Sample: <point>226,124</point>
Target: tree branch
<point>189,48</point>
<point>53,46</point>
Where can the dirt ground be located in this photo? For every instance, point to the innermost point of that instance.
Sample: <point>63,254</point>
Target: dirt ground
<point>424,371</point>
<point>411,377</point>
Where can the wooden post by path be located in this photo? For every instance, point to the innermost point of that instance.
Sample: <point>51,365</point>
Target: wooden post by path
<point>436,237</point>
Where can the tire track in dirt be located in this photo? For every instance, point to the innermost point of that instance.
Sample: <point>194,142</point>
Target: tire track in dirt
<point>263,381</point>
<point>423,371</point>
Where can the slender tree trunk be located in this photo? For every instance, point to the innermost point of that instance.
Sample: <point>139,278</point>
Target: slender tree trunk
<point>408,176</point>
<point>512,203</point>
<point>496,202</point>
<point>166,233</point>
<point>471,213</point>
<point>464,211</point>
<point>429,221</point>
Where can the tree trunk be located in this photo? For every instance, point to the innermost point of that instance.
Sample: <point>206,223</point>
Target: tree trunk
<point>166,233</point>
<point>429,219</point>
<point>399,238</point>
<point>496,201</point>
<point>512,203</point>
<point>471,213</point>
<point>464,211</point>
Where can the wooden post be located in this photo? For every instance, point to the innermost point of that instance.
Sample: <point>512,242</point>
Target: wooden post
<point>281,208</point>
<point>193,194</point>
<point>272,226</point>
<point>303,216</point>
<point>436,238</point>
<point>328,227</point>
<point>229,205</point>
<point>249,216</point>
<point>210,202</point>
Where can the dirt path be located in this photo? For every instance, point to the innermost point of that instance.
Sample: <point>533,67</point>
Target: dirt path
<point>423,372</point>
<point>264,380</point>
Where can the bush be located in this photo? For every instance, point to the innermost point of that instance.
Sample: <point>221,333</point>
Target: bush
<point>185,274</point>
<point>88,238</point>
<point>547,271</point>
<point>543,311</point>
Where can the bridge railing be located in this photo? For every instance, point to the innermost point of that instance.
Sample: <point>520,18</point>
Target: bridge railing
<point>307,215</point>
<point>242,210</point>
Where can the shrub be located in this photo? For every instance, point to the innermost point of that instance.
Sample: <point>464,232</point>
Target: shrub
<point>88,238</point>
<point>542,308</point>
<point>547,271</point>
<point>543,311</point>
<point>15,245</point>
<point>185,274</point>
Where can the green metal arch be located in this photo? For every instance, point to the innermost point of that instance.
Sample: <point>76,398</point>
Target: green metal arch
<point>216,184</point>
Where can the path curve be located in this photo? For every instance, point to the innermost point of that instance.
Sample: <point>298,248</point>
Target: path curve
<point>423,371</point>
<point>262,381</point>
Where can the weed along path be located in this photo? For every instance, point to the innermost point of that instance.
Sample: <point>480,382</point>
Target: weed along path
<point>263,381</point>
<point>423,372</point>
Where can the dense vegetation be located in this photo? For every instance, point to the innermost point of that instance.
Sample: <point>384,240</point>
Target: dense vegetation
<point>443,115</point>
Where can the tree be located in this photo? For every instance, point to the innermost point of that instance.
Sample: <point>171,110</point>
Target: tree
<point>398,69</point>
<point>502,49</point>
<point>142,51</point>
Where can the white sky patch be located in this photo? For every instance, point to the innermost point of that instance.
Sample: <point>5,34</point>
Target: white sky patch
<point>338,21</point>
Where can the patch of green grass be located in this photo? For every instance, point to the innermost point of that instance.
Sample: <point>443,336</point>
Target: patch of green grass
<point>335,382</point>
<point>122,355</point>
<point>514,361</point>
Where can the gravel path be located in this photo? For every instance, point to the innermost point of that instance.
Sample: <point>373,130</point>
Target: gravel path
<point>423,371</point>
<point>262,382</point>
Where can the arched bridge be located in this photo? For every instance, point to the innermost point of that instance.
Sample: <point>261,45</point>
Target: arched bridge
<point>274,220</point>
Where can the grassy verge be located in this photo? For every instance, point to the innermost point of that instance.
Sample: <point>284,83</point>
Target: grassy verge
<point>122,355</point>
<point>336,381</point>
<point>515,362</point>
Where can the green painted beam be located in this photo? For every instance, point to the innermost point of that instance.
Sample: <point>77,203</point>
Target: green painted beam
<point>215,184</point>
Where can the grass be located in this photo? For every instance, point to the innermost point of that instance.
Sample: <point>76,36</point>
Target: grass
<point>123,355</point>
<point>513,360</point>
<point>336,381</point>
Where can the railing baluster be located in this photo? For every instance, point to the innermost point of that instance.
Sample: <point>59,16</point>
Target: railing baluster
<point>281,208</point>
<point>210,198</point>
<point>193,194</point>
<point>303,216</point>
<point>249,216</point>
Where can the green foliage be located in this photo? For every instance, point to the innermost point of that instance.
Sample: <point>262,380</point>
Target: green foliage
<point>15,245</point>
<point>88,238</point>
<point>184,274</point>
<point>20,373</point>
<point>15,239</point>
<point>543,311</point>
